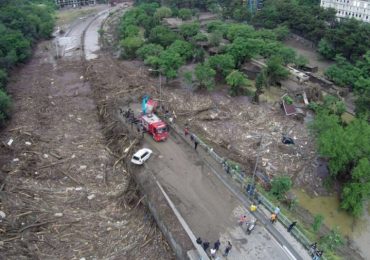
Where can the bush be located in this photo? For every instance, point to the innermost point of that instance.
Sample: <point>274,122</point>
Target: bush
<point>162,12</point>
<point>332,240</point>
<point>131,45</point>
<point>189,29</point>
<point>223,63</point>
<point>4,106</point>
<point>215,38</point>
<point>280,186</point>
<point>183,48</point>
<point>200,37</point>
<point>317,222</point>
<point>237,81</point>
<point>131,31</point>
<point>149,49</point>
<point>185,13</point>
<point>162,35</point>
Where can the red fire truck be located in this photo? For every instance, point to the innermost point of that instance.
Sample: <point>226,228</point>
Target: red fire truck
<point>151,122</point>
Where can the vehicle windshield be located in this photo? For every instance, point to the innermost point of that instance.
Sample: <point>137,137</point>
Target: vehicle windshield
<point>161,130</point>
<point>136,158</point>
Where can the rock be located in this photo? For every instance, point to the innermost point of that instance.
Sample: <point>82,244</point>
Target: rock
<point>82,77</point>
<point>73,156</point>
<point>83,167</point>
<point>46,156</point>
<point>27,143</point>
<point>15,160</point>
<point>2,215</point>
<point>90,197</point>
<point>10,141</point>
<point>58,214</point>
<point>78,188</point>
<point>80,146</point>
<point>99,176</point>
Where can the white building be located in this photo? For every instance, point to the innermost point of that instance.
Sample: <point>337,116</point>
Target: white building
<point>74,3</point>
<point>358,9</point>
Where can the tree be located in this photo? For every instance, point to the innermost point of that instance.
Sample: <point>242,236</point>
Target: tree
<point>200,37</point>
<point>243,49</point>
<point>362,103</point>
<point>149,49</point>
<point>131,31</point>
<point>131,45</point>
<point>261,82</point>
<point>280,186</point>
<point>183,48</point>
<point>4,106</point>
<point>343,73</point>
<point>189,30</point>
<point>239,30</point>
<point>287,55</point>
<point>170,62</point>
<point>223,63</point>
<point>241,14</point>
<point>237,81</point>
<point>185,13</point>
<point>162,35</point>
<point>205,76</point>
<point>275,71</point>
<point>326,49</point>
<point>357,191</point>
<point>163,12</point>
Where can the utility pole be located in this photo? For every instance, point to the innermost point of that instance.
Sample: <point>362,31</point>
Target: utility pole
<point>257,159</point>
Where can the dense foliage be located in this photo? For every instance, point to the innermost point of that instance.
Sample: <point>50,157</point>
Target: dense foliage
<point>348,149</point>
<point>22,23</point>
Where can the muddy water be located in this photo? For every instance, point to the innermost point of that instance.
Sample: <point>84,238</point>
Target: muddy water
<point>328,206</point>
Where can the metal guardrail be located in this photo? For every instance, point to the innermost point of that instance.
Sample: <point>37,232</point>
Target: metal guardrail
<point>243,179</point>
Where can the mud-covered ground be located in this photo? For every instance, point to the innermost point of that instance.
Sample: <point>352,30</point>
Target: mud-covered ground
<point>64,192</point>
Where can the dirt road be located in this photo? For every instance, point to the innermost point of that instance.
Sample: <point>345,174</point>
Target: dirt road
<point>60,194</point>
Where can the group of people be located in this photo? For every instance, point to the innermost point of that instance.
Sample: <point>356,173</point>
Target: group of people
<point>314,252</point>
<point>216,247</point>
<point>274,218</point>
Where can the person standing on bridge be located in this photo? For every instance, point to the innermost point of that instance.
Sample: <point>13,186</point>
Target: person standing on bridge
<point>217,245</point>
<point>277,210</point>
<point>228,248</point>
<point>195,144</point>
<point>291,226</point>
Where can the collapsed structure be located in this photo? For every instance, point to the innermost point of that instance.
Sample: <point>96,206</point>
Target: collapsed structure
<point>74,3</point>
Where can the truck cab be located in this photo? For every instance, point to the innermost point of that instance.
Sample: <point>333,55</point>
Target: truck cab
<point>155,126</point>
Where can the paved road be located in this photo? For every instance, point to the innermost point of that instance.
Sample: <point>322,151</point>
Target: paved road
<point>207,206</point>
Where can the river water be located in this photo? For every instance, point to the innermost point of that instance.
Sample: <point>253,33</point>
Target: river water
<point>328,206</point>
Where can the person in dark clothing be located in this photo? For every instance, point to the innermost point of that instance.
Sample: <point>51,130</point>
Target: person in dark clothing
<point>313,248</point>
<point>205,246</point>
<point>199,241</point>
<point>195,144</point>
<point>217,245</point>
<point>228,248</point>
<point>291,226</point>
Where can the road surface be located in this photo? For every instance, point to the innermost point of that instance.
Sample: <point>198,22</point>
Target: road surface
<point>207,206</point>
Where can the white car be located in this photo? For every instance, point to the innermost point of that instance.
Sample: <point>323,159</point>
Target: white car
<point>141,156</point>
